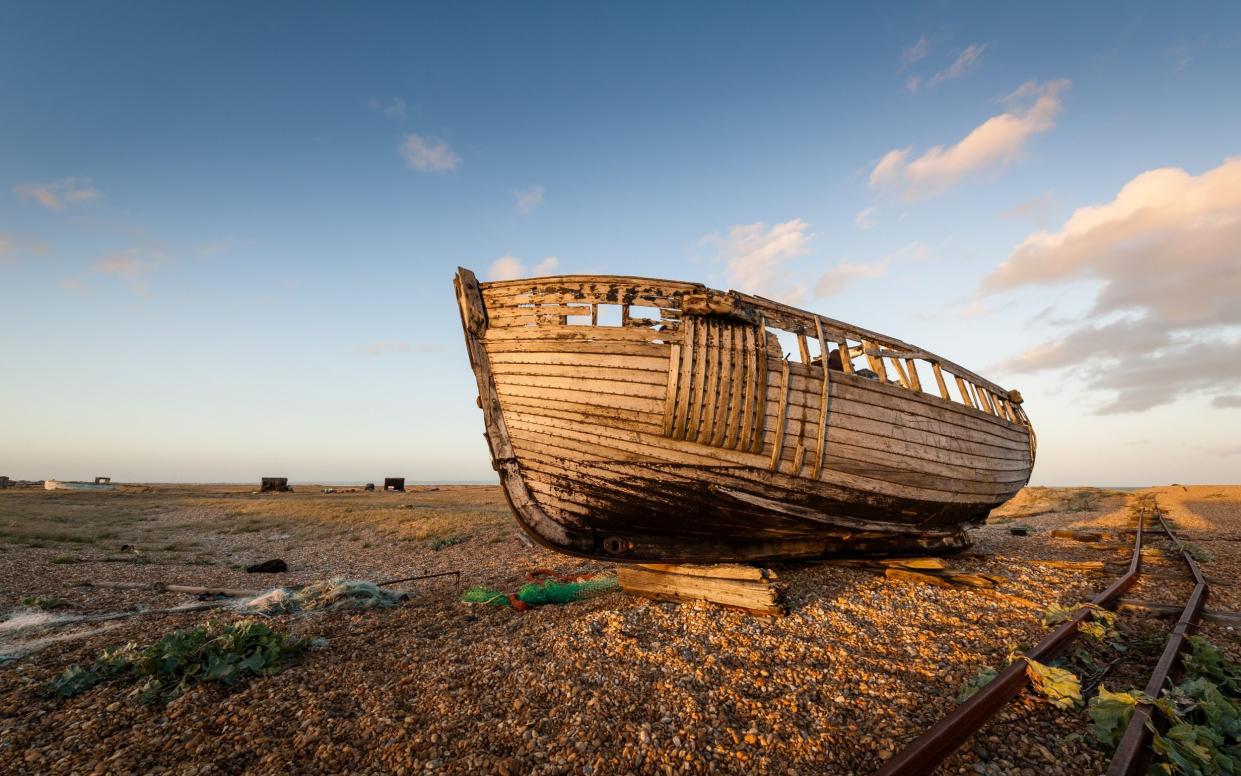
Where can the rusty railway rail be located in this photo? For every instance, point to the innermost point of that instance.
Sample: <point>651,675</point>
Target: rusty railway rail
<point>927,752</point>
<point>1132,754</point>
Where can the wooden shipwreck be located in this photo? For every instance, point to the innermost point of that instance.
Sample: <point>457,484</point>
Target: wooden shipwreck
<point>643,420</point>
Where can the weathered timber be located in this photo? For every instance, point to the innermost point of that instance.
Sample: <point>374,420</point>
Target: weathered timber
<point>1155,609</point>
<point>1076,565</point>
<point>1083,536</point>
<point>940,577</point>
<point>717,571</point>
<point>675,438</point>
<point>691,583</point>
<point>883,563</point>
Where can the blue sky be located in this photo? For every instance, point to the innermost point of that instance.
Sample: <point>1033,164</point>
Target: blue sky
<point>228,231</point>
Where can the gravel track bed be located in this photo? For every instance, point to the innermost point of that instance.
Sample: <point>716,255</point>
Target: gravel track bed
<point>861,665</point>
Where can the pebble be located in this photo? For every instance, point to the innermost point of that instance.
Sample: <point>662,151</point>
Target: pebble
<point>612,685</point>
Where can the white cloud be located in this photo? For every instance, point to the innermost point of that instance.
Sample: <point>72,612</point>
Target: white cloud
<point>913,84</point>
<point>8,249</point>
<point>867,218</point>
<point>57,195</point>
<point>506,268</point>
<point>966,62</point>
<point>526,201</point>
<point>125,263</point>
<point>392,109</point>
<point>1037,210</point>
<point>1167,242</point>
<point>511,268</point>
<point>756,256</point>
<point>998,140</point>
<point>915,53</point>
<point>395,346</point>
<point>914,251</point>
<point>131,266</point>
<point>428,154</point>
<point>844,274</point>
<point>1163,254</point>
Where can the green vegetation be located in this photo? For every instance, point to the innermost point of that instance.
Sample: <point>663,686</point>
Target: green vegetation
<point>1100,625</point>
<point>447,541</point>
<point>1202,716</point>
<point>976,683</point>
<point>1082,501</point>
<point>45,602</point>
<point>1197,552</point>
<point>1110,712</point>
<point>1058,685</point>
<point>184,658</point>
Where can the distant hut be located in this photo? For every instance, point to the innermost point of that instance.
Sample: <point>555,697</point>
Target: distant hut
<point>394,483</point>
<point>5,482</point>
<point>274,484</point>
<point>103,480</point>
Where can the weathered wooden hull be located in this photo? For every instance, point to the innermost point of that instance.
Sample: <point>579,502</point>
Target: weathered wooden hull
<point>690,438</point>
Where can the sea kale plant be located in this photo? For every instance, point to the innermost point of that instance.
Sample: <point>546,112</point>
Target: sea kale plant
<point>214,652</point>
<point>1200,718</point>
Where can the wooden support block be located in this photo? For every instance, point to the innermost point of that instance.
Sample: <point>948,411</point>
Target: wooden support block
<point>882,563</point>
<point>916,563</point>
<point>906,575</point>
<point>966,579</point>
<point>1162,574</point>
<point>718,571</point>
<point>945,578</point>
<point>1081,536</point>
<point>671,582</point>
<point>1076,565</point>
<point>1175,610</point>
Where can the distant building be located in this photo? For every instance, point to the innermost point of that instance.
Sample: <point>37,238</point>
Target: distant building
<point>274,484</point>
<point>394,483</point>
<point>5,482</point>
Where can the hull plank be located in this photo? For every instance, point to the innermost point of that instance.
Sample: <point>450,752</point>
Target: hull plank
<point>676,439</point>
<point>618,436</point>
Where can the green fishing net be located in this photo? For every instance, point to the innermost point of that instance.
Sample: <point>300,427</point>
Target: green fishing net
<point>551,591</point>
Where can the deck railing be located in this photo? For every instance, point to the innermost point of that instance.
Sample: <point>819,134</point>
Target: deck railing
<point>578,301</point>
